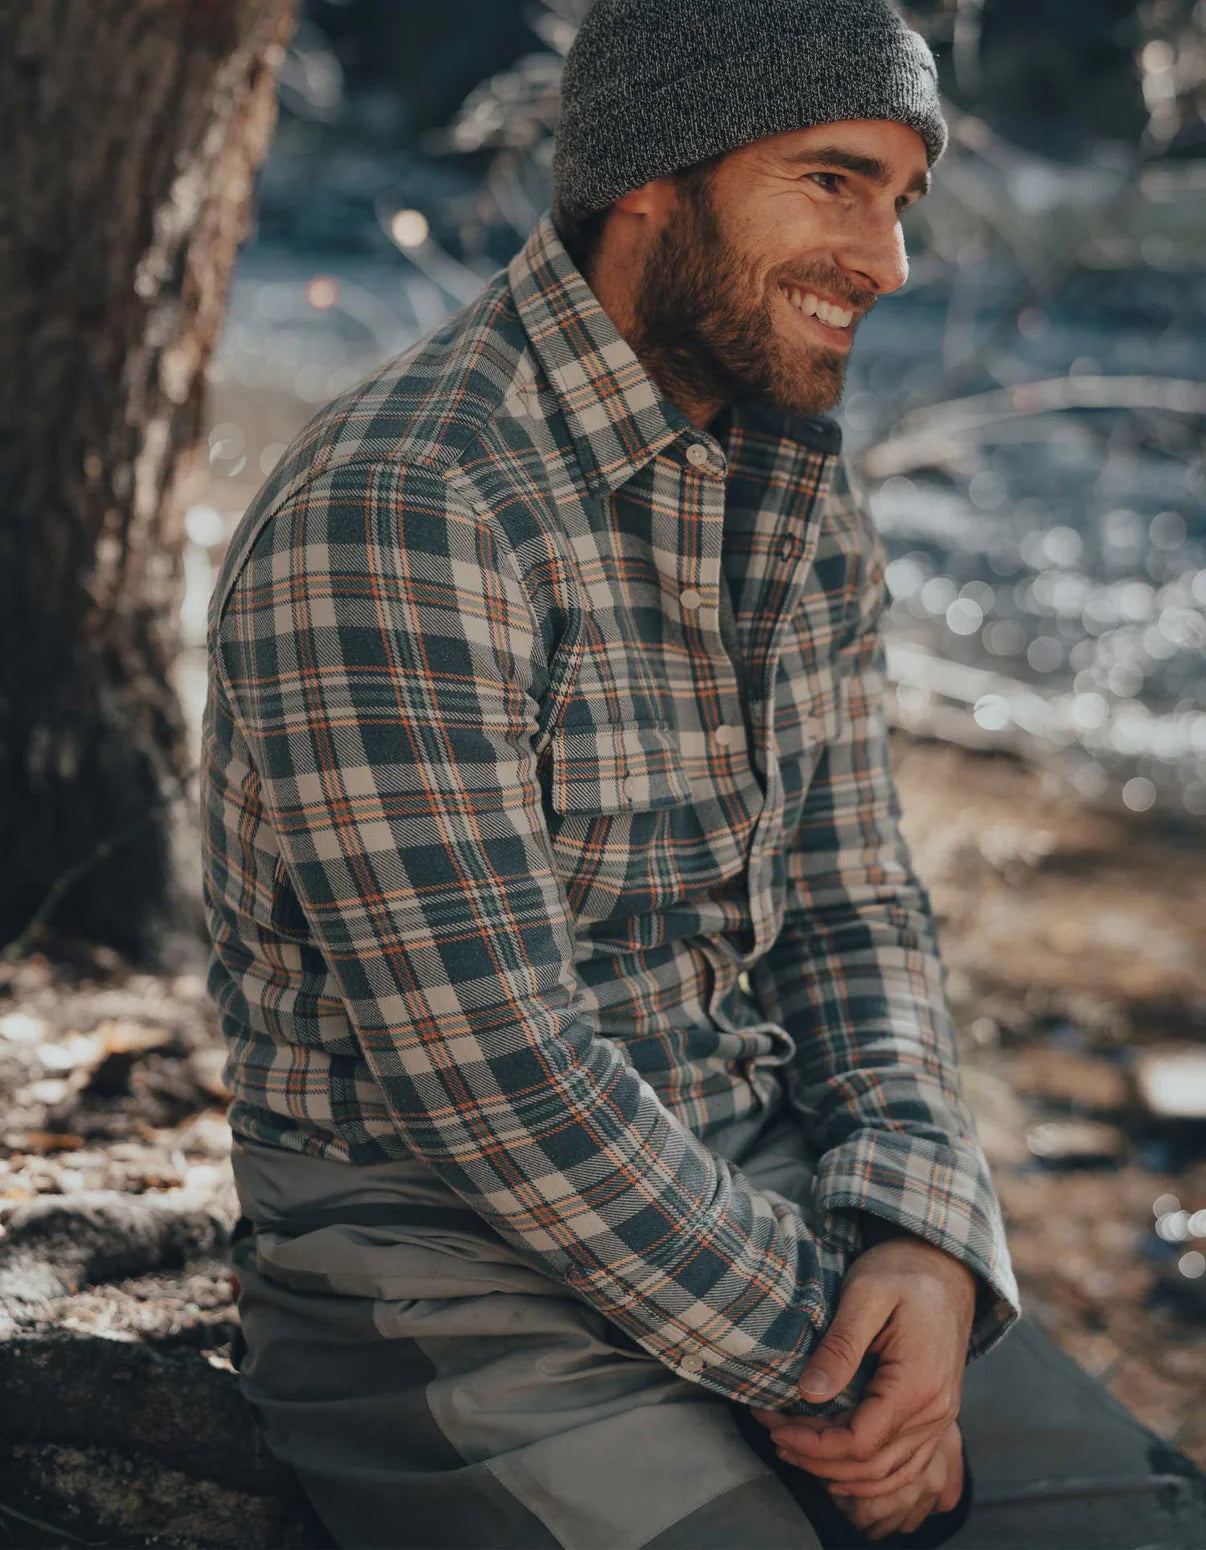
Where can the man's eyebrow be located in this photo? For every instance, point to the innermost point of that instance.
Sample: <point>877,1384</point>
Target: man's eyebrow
<point>869,167</point>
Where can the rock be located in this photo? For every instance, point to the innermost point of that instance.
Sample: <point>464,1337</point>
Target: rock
<point>57,1244</point>
<point>1077,1143</point>
<point>106,1497</point>
<point>122,1424</point>
<point>1172,1083</point>
<point>1067,1077</point>
<point>121,1420</point>
<point>167,1403</point>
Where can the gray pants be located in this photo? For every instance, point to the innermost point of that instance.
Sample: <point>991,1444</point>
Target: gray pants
<point>433,1391</point>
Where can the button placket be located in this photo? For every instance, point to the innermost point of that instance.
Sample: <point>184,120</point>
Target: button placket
<point>716,672</point>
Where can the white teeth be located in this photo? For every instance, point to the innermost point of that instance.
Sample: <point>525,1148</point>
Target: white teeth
<point>810,306</point>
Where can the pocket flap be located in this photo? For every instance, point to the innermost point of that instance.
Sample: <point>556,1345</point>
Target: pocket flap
<point>614,769</point>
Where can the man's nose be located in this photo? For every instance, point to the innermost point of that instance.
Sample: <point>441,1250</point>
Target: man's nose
<point>876,259</point>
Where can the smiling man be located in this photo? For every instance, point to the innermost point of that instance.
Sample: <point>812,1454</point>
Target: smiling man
<point>606,1175</point>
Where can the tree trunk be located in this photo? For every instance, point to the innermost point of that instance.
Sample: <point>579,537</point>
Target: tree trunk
<point>131,133</point>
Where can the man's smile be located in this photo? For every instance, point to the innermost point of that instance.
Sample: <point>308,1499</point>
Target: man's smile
<point>824,318</point>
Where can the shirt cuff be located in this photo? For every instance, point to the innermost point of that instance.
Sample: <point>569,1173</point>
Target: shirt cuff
<point>938,1191</point>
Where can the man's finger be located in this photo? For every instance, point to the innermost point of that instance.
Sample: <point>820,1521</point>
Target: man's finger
<point>898,1467</point>
<point>952,1493</point>
<point>893,1407</point>
<point>876,1519</point>
<point>888,1461</point>
<point>880,1418</point>
<point>861,1314</point>
<point>841,1444</point>
<point>918,1516</point>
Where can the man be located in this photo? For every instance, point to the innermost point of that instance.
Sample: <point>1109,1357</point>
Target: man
<point>606,1175</point>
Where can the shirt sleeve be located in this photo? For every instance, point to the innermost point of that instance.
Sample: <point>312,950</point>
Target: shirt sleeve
<point>382,659</point>
<point>855,977</point>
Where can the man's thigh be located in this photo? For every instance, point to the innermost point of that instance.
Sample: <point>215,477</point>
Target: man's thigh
<point>1059,1463</point>
<point>483,1418</point>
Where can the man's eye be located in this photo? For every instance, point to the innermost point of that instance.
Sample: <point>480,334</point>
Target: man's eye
<point>828,178</point>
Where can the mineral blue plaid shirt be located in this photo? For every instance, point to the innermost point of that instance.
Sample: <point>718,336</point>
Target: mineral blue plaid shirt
<point>550,823</point>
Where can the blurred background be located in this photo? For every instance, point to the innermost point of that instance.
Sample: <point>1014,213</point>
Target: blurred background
<point>1025,420</point>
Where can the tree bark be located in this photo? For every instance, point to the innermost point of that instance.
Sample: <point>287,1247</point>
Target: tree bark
<point>132,130</point>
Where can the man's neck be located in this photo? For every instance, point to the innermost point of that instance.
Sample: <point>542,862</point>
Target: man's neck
<point>614,286</point>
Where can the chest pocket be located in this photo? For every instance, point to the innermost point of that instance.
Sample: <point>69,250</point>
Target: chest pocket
<point>619,804</point>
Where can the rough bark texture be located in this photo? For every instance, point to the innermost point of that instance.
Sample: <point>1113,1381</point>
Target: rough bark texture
<point>132,130</point>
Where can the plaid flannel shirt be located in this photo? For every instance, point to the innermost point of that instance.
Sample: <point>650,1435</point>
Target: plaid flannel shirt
<point>550,823</point>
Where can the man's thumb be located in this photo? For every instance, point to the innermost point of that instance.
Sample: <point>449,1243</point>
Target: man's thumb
<point>836,1360</point>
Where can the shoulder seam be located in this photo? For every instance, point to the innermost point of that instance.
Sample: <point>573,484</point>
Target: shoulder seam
<point>433,467</point>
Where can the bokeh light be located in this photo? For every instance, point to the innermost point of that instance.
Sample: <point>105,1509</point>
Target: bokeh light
<point>409,228</point>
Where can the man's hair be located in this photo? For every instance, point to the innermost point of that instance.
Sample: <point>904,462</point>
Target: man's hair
<point>582,235</point>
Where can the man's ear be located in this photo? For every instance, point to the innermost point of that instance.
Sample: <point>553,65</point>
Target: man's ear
<point>651,200</point>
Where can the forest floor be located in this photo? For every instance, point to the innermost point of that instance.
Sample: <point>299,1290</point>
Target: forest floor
<point>1073,941</point>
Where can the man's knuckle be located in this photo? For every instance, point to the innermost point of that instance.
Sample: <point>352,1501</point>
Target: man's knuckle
<point>911,1471</point>
<point>843,1346</point>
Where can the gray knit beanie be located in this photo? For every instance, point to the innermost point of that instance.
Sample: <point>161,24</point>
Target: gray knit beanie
<point>652,86</point>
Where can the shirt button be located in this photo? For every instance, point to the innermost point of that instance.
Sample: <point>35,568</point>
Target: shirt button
<point>632,787</point>
<point>690,599</point>
<point>724,736</point>
<point>787,549</point>
<point>698,455</point>
<point>692,1362</point>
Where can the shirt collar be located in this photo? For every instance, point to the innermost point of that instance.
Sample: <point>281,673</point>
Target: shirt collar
<point>618,418</point>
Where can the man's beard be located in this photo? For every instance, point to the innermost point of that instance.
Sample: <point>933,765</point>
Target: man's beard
<point>705,336</point>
